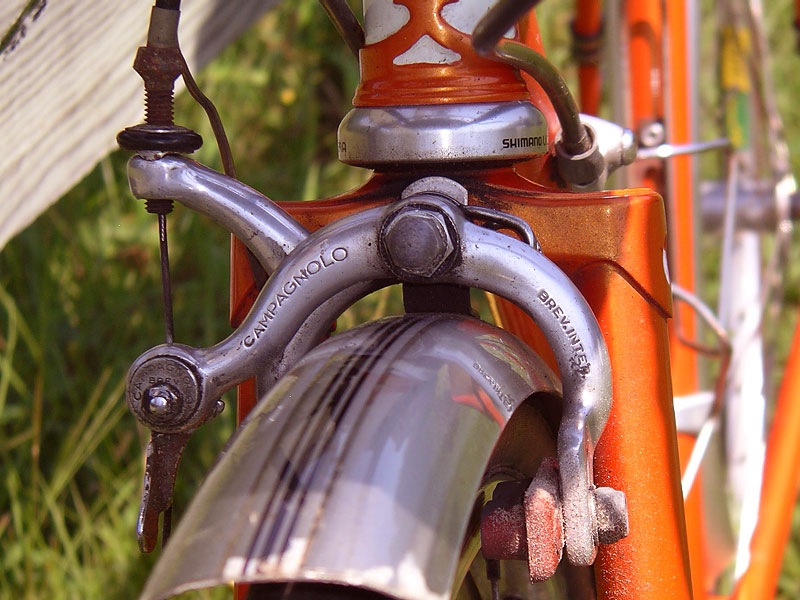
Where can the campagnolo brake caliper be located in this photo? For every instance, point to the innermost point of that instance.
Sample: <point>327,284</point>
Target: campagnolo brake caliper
<point>334,264</point>
<point>174,388</point>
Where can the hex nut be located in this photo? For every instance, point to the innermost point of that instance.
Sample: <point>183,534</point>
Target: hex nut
<point>611,510</point>
<point>416,242</point>
<point>158,67</point>
<point>161,400</point>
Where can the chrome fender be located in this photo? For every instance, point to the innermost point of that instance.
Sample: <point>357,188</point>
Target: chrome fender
<point>361,466</point>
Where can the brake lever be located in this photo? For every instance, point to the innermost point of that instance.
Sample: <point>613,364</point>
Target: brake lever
<point>163,456</point>
<point>162,408</point>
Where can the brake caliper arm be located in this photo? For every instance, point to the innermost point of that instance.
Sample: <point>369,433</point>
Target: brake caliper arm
<point>264,227</point>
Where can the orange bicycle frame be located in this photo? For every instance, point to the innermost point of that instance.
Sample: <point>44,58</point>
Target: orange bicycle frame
<point>612,245</point>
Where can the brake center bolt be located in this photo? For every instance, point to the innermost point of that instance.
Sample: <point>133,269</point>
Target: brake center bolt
<point>417,242</point>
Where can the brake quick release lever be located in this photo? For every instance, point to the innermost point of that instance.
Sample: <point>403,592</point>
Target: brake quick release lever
<point>163,456</point>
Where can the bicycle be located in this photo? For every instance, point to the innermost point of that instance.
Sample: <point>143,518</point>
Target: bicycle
<point>173,389</point>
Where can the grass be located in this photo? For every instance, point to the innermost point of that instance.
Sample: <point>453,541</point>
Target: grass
<point>80,298</point>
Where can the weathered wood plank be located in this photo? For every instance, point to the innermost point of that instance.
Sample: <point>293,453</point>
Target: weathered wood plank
<point>67,87</point>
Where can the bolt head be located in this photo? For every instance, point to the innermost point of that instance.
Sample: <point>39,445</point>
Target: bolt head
<point>417,242</point>
<point>611,510</point>
<point>652,134</point>
<point>161,401</point>
<point>158,404</point>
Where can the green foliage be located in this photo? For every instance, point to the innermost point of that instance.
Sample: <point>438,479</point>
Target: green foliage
<point>282,90</point>
<point>80,299</point>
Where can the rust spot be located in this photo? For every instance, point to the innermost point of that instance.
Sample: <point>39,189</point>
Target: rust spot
<point>503,523</point>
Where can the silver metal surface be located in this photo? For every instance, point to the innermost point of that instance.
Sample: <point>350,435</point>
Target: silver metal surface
<point>377,137</point>
<point>613,147</point>
<point>617,144</point>
<point>652,134</point>
<point>670,150</point>
<point>362,466</point>
<point>518,273</point>
<point>265,228</point>
<point>160,400</point>
<point>313,331</point>
<point>325,264</point>
<point>346,253</point>
<point>755,206</point>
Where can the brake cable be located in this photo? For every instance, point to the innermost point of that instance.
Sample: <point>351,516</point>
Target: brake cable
<point>159,63</point>
<point>487,40</point>
<point>346,23</point>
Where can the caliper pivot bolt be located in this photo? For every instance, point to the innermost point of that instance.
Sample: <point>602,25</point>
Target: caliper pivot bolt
<point>164,393</point>
<point>417,242</point>
<point>161,400</point>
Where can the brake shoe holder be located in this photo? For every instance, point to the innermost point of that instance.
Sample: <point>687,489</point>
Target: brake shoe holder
<point>328,263</point>
<point>517,272</point>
